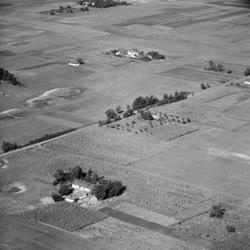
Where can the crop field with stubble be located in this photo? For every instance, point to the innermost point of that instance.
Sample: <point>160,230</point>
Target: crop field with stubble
<point>182,161</point>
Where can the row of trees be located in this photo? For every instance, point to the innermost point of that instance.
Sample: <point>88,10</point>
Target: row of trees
<point>141,103</point>
<point>5,75</point>
<point>8,146</point>
<point>103,189</point>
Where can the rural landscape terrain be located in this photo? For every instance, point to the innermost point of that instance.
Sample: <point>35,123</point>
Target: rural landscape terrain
<point>125,125</point>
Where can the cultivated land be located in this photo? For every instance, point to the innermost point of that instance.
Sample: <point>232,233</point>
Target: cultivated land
<point>173,172</point>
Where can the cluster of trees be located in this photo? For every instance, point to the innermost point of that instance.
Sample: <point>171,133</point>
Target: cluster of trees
<point>212,66</point>
<point>62,10</point>
<point>49,136</point>
<point>247,71</point>
<point>103,189</point>
<point>141,103</point>
<point>8,146</point>
<point>5,75</point>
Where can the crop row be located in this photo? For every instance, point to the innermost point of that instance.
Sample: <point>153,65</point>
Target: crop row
<point>110,145</point>
<point>68,216</point>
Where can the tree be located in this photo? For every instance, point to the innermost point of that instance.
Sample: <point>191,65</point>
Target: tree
<point>8,146</point>
<point>147,116</point>
<point>65,189</point>
<point>61,177</point>
<point>111,114</point>
<point>80,61</point>
<point>5,75</point>
<point>76,173</point>
<point>57,197</point>
<point>114,189</point>
<point>139,103</point>
<point>247,71</point>
<point>100,192</point>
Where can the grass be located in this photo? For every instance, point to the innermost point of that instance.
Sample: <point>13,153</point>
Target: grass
<point>68,216</point>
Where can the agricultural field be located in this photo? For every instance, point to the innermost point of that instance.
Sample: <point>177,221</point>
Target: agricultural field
<point>122,235</point>
<point>105,144</point>
<point>192,156</point>
<point>64,215</point>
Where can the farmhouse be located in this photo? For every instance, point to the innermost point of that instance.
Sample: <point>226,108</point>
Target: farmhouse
<point>80,192</point>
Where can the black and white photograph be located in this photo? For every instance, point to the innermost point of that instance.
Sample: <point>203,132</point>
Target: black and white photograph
<point>125,125</point>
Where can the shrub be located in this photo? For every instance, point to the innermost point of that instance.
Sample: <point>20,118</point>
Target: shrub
<point>220,68</point>
<point>217,211</point>
<point>57,197</point>
<point>203,85</point>
<point>230,229</point>
<point>118,109</point>
<point>213,67</point>
<point>247,71</point>
<point>155,55</point>
<point>5,75</point>
<point>8,146</point>
<point>65,189</point>
<point>52,12</point>
<point>80,61</point>
<point>147,116</point>
<point>104,122</point>
<point>128,113</point>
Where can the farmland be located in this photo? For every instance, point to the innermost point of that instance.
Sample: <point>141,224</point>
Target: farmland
<point>182,153</point>
<point>63,215</point>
